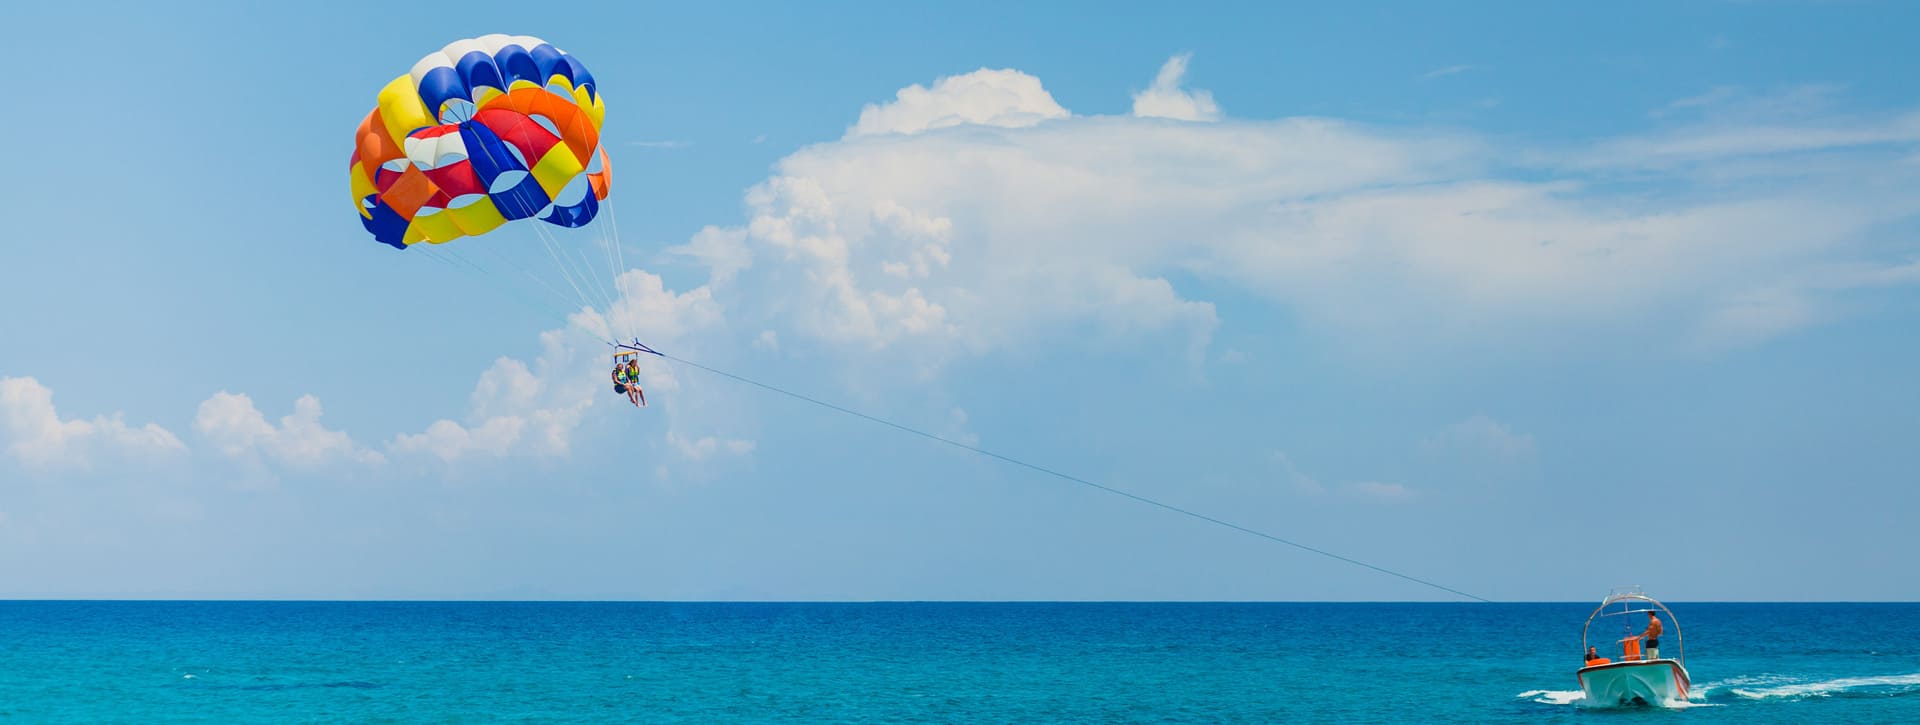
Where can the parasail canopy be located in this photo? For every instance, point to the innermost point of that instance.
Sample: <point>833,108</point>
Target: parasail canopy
<point>480,133</point>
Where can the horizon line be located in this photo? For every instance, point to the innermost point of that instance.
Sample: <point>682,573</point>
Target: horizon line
<point>212,600</point>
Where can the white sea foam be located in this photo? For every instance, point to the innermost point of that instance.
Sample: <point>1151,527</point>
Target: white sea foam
<point>1579,699</point>
<point>1708,690</point>
<point>1769,688</point>
<point>1688,703</point>
<point>1553,697</point>
<point>1757,687</point>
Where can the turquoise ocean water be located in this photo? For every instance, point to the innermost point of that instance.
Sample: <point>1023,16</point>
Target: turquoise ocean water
<point>663,662</point>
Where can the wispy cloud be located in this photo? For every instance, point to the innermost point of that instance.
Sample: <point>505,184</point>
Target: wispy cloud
<point>705,447</point>
<point>1802,300</point>
<point>1734,104</point>
<point>1713,97</point>
<point>1294,478</point>
<point>1368,491</point>
<point>1450,70</point>
<point>1731,124</point>
<point>1483,438</point>
<point>1378,492</point>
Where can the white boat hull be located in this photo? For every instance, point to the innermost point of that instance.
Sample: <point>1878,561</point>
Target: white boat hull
<point>1652,682</point>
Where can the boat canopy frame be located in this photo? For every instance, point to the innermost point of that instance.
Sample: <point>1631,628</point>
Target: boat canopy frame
<point>1632,600</point>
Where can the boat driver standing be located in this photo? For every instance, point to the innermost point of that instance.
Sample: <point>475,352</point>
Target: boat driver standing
<point>1652,635</point>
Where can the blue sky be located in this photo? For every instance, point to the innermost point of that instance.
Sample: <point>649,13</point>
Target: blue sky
<point>1528,300</point>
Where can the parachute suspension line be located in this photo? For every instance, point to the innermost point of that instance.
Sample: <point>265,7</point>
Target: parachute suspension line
<point>565,270</point>
<point>446,257</point>
<point>479,272</point>
<point>578,271</point>
<point>609,240</point>
<point>482,273</point>
<point>1071,478</point>
<point>561,305</point>
<point>619,250</point>
<point>598,283</point>
<point>573,277</point>
<point>585,285</point>
<point>506,261</point>
<point>593,291</point>
<point>520,206</point>
<point>456,255</point>
<point>447,262</point>
<point>603,285</point>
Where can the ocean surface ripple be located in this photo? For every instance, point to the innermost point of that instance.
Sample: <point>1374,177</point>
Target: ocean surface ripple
<point>918,662</point>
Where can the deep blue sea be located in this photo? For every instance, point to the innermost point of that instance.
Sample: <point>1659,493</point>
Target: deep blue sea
<point>943,662</point>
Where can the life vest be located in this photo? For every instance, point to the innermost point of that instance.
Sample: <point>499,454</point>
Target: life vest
<point>620,376</point>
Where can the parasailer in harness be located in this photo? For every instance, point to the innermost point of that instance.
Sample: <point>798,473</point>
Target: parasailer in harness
<point>626,379</point>
<point>634,393</point>
<point>626,371</point>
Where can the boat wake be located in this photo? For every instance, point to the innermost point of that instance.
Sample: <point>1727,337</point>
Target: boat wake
<point>1772,687</point>
<point>1575,698</point>
<point>1552,697</point>
<point>1763,688</point>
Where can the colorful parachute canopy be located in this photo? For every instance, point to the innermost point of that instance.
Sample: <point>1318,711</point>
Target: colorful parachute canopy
<point>483,132</point>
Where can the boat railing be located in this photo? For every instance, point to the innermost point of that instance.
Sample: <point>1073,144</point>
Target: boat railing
<point>1631,600</point>
<point>1625,660</point>
<point>1629,610</point>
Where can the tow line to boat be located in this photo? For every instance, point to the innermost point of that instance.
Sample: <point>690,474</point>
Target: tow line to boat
<point>482,272</point>
<point>1071,478</point>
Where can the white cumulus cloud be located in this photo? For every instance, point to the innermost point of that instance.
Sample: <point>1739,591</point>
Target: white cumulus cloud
<point>1004,98</point>
<point>723,251</point>
<point>37,437</point>
<point>513,409</point>
<point>927,247</point>
<point>239,430</point>
<point>537,409</point>
<point>1166,99</point>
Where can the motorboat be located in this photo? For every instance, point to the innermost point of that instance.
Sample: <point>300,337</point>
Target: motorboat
<point>1645,673</point>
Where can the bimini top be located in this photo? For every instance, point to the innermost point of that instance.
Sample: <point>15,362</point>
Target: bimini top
<point>1625,601</point>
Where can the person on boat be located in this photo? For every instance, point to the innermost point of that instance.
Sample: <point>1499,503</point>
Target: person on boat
<point>1652,635</point>
<point>1593,657</point>
<point>634,393</point>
